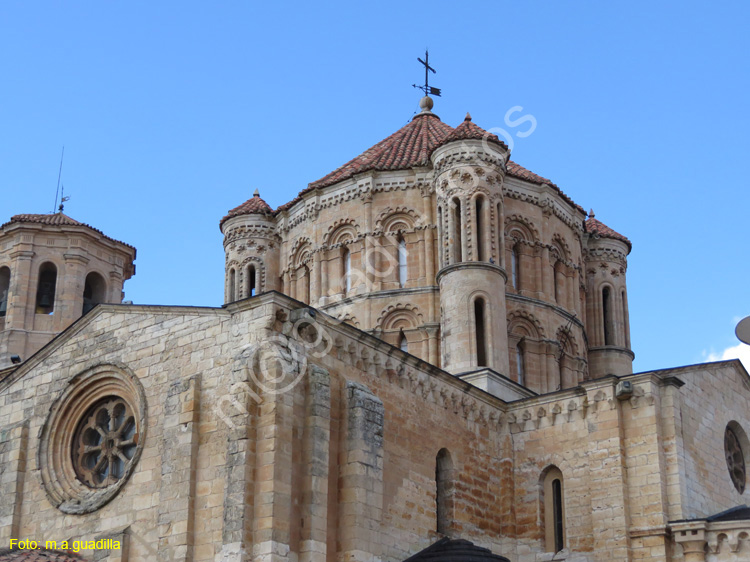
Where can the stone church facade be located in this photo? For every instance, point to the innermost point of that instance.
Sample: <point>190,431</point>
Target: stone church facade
<point>424,356</point>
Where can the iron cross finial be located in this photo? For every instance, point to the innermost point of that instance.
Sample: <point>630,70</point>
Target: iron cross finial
<point>427,89</point>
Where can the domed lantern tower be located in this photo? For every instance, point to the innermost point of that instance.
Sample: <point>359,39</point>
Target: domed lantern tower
<point>250,244</point>
<point>470,166</point>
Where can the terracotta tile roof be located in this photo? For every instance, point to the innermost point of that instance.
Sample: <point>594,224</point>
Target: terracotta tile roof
<point>254,205</point>
<point>598,228</point>
<point>469,131</point>
<point>57,219</point>
<point>37,556</point>
<point>410,146</point>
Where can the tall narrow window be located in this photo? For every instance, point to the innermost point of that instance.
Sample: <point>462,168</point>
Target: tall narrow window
<point>515,269</point>
<point>441,237</point>
<point>554,510</point>
<point>457,249</point>
<point>402,265</point>
<point>626,319</point>
<point>557,513</point>
<point>308,282</point>
<point>4,290</point>
<point>251,281</point>
<point>402,343</point>
<point>444,493</point>
<point>479,322</point>
<point>94,291</point>
<point>347,270</point>
<point>520,364</point>
<point>45,293</point>
<point>479,234</point>
<point>607,314</point>
<point>232,285</point>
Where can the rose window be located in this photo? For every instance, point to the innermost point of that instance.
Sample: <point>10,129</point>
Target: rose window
<point>105,443</point>
<point>735,459</point>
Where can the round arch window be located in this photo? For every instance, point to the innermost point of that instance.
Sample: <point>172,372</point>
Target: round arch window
<point>733,452</point>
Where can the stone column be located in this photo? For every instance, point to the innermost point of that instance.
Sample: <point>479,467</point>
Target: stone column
<point>691,535</point>
<point>429,236</point>
<point>315,292</point>
<point>21,296</point>
<point>361,495</point>
<point>179,459</point>
<point>70,284</point>
<point>316,444</point>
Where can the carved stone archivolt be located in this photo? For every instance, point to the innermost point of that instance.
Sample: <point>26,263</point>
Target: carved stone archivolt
<point>92,438</point>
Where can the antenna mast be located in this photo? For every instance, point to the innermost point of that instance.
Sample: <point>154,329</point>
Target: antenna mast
<point>59,175</point>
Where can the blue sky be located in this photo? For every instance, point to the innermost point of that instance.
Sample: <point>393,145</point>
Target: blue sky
<point>171,113</point>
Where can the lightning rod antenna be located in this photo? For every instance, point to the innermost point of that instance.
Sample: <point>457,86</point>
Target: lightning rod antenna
<point>59,175</point>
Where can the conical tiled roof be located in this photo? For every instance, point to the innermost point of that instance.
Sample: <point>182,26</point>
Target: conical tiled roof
<point>598,228</point>
<point>469,131</point>
<point>253,206</point>
<point>456,550</point>
<point>410,146</point>
<point>56,219</point>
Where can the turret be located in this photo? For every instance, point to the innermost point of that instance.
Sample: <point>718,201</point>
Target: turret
<point>250,245</point>
<point>607,319</point>
<point>470,166</point>
<point>53,269</point>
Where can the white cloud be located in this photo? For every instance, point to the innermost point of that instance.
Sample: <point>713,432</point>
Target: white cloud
<point>740,351</point>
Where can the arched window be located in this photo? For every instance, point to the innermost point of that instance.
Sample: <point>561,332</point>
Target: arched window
<point>232,285</point>
<point>626,318</point>
<point>520,364</point>
<point>94,291</point>
<point>515,267</point>
<point>4,290</point>
<point>444,480</point>
<point>609,335</point>
<point>347,270</point>
<point>457,250</point>
<point>403,345</point>
<point>479,234</point>
<point>251,280</point>
<point>403,271</point>
<point>554,510</point>
<point>45,292</point>
<point>479,325</point>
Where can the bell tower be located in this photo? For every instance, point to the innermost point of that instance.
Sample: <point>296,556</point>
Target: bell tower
<point>53,269</point>
<point>470,166</point>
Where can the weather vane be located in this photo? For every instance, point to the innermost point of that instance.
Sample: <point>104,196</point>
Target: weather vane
<point>427,89</point>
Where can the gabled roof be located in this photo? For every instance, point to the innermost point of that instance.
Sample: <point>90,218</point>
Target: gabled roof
<point>37,556</point>
<point>598,228</point>
<point>455,550</point>
<point>253,206</point>
<point>57,219</point>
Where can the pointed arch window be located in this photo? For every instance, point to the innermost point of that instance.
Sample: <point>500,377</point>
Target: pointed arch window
<point>4,290</point>
<point>479,326</point>
<point>45,293</point>
<point>403,268</point>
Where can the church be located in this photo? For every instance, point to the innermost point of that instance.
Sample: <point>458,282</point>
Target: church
<point>425,355</point>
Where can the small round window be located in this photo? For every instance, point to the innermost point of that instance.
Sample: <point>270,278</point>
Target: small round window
<point>735,459</point>
<point>105,443</point>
